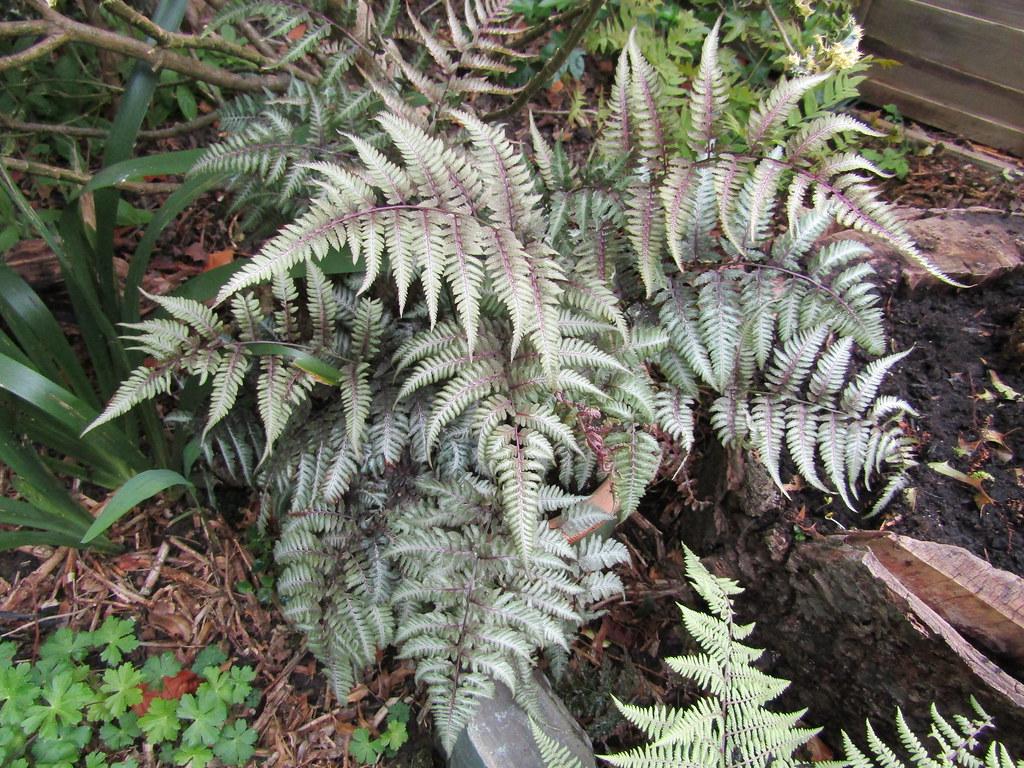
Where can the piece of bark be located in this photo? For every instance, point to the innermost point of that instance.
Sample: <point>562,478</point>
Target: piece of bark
<point>981,602</point>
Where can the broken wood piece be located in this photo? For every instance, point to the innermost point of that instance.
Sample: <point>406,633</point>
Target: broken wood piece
<point>983,603</point>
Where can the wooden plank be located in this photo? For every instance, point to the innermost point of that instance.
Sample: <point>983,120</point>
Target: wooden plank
<point>998,103</point>
<point>948,119</point>
<point>981,602</point>
<point>948,99</point>
<point>1009,12</point>
<point>986,49</point>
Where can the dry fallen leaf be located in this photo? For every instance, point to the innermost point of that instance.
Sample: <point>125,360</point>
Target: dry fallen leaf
<point>1002,388</point>
<point>174,687</point>
<point>171,622</point>
<point>981,498</point>
<point>219,258</point>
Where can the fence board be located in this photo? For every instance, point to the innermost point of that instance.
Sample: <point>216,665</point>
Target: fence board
<point>1009,12</point>
<point>951,39</point>
<point>962,64</point>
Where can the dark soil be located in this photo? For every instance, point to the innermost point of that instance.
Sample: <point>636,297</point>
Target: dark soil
<point>15,564</point>
<point>960,339</point>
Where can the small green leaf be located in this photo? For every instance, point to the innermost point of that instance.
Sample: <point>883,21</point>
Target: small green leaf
<point>122,687</point>
<point>400,712</point>
<point>186,102</point>
<point>67,645</point>
<point>193,756</point>
<point>237,743</point>
<point>207,713</point>
<point>241,682</point>
<point>210,656</point>
<point>157,668</point>
<point>55,753</point>
<point>314,366</point>
<point>161,722</point>
<point>362,748</point>
<point>120,735</point>
<point>17,693</point>
<point>65,701</point>
<point>117,636</point>
<point>395,736</point>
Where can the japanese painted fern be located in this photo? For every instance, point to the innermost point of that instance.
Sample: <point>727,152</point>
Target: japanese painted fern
<point>426,418</point>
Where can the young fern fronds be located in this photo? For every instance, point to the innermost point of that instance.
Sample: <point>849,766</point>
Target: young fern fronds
<point>708,97</point>
<point>731,725</point>
<point>959,745</point>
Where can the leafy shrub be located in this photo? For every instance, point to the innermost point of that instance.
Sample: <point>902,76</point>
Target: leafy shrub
<point>83,703</point>
<point>517,332</point>
<point>762,40</point>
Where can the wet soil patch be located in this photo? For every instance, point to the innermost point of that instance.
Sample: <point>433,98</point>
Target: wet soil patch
<point>961,378</point>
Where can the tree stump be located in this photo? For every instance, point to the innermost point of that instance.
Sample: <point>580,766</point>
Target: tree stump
<point>847,618</point>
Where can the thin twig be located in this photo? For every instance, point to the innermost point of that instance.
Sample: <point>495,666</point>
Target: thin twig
<point>65,174</point>
<point>782,30</point>
<point>36,51</point>
<point>552,65</point>
<point>84,132</point>
<point>158,565</point>
<point>170,39</point>
<point>539,30</point>
<point>59,30</point>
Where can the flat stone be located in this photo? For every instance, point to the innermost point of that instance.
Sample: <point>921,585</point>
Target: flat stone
<point>972,246</point>
<point>499,735</point>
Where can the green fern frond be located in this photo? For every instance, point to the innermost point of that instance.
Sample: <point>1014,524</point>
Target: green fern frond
<point>552,753</point>
<point>731,725</point>
<point>959,745</point>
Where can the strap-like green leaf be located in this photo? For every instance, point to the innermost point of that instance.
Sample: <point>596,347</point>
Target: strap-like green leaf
<point>135,491</point>
<point>71,413</point>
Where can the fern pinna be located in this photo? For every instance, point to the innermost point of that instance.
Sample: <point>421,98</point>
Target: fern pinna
<point>427,417</point>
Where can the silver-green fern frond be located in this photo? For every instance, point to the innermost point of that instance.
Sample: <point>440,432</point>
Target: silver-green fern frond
<point>958,744</point>
<point>760,315</point>
<point>730,726</point>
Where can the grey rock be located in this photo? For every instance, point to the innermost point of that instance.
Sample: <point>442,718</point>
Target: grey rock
<point>499,735</point>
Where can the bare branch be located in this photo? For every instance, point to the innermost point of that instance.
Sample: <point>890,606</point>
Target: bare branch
<point>65,174</point>
<point>33,52</point>
<point>19,28</point>
<point>552,65</point>
<point>216,43</point>
<point>84,132</point>
<point>59,29</point>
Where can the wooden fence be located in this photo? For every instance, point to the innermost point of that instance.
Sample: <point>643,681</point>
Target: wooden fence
<point>962,65</point>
